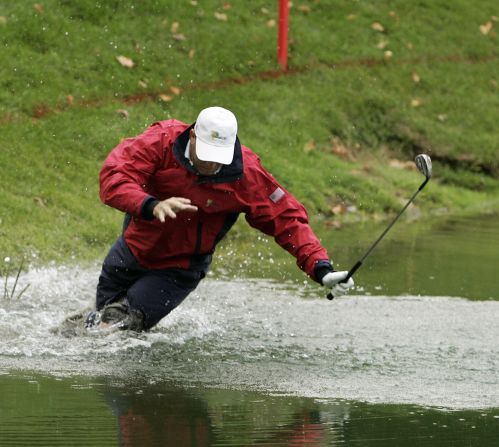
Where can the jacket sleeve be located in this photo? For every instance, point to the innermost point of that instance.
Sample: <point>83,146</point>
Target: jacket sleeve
<point>275,212</point>
<point>126,171</point>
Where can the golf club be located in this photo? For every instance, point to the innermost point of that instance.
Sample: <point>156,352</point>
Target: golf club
<point>423,163</point>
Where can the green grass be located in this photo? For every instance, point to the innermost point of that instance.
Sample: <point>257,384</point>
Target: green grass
<point>61,89</point>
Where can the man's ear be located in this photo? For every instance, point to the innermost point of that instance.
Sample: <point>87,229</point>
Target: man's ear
<point>192,134</point>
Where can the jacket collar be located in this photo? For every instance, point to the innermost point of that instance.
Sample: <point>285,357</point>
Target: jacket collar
<point>227,174</point>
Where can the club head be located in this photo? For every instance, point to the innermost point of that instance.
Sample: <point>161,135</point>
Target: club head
<point>423,163</point>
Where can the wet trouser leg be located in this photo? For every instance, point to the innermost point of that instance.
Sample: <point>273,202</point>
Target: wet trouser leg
<point>155,293</point>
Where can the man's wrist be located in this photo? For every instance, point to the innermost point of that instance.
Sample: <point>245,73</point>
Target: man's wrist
<point>148,208</point>
<point>321,269</point>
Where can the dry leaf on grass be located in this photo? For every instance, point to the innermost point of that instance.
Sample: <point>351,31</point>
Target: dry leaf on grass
<point>309,147</point>
<point>339,149</point>
<point>175,90</point>
<point>304,8</point>
<point>415,77</point>
<point>332,223</point>
<point>416,102</point>
<point>271,23</point>
<point>38,8</point>
<point>399,164</point>
<point>221,16</point>
<point>376,26</point>
<point>174,28</point>
<point>165,98</point>
<point>125,61</point>
<point>123,113</point>
<point>339,208</point>
<point>382,44</point>
<point>486,28</point>
<point>40,201</point>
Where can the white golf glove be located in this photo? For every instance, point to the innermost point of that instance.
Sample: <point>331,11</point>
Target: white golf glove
<point>332,281</point>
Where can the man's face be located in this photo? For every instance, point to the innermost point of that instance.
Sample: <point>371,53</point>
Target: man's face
<point>202,167</point>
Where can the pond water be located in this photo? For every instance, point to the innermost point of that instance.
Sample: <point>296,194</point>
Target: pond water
<point>411,356</point>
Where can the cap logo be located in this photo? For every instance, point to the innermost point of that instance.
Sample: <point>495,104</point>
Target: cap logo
<point>216,136</point>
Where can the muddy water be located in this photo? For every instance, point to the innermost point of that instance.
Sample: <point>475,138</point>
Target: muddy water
<point>411,356</point>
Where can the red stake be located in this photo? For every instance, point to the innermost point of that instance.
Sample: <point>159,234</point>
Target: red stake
<point>282,37</point>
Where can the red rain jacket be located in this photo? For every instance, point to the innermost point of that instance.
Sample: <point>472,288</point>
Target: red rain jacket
<point>153,166</point>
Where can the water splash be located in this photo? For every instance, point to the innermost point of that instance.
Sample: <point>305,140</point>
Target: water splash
<point>260,335</point>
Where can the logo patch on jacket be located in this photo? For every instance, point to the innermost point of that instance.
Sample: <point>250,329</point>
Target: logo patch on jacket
<point>277,195</point>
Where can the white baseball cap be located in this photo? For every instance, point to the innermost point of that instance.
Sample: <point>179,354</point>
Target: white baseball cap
<point>216,130</point>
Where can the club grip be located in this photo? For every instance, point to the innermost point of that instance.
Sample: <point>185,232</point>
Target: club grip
<point>356,267</point>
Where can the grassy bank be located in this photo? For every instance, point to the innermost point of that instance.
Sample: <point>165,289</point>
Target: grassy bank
<point>370,85</point>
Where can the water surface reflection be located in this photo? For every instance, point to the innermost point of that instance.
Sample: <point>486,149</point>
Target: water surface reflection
<point>135,412</point>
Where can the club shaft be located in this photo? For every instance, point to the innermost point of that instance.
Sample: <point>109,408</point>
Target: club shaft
<point>387,229</point>
<point>358,264</point>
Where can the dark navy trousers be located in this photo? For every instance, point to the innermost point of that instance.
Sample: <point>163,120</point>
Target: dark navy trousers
<point>154,292</point>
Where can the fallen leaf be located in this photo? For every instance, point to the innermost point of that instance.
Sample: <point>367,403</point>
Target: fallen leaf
<point>382,44</point>
<point>387,55</point>
<point>304,8</point>
<point>192,51</point>
<point>221,16</point>
<point>441,117</point>
<point>264,10</point>
<point>351,17</point>
<point>309,147</point>
<point>41,202</point>
<point>409,45</point>
<point>175,90</point>
<point>142,84</point>
<point>339,149</point>
<point>399,164</point>
<point>333,223</point>
<point>339,208</point>
<point>69,99</point>
<point>174,28</point>
<point>194,3</point>
<point>485,28</point>
<point>39,8</point>
<point>416,102</point>
<point>415,77</point>
<point>165,98</point>
<point>123,113</point>
<point>394,15</point>
<point>125,61</point>
<point>3,20</point>
<point>376,26</point>
<point>493,18</point>
<point>227,6</point>
<point>271,23</point>
<point>178,36</point>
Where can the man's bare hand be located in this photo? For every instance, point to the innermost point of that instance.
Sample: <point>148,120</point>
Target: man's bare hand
<point>169,208</point>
